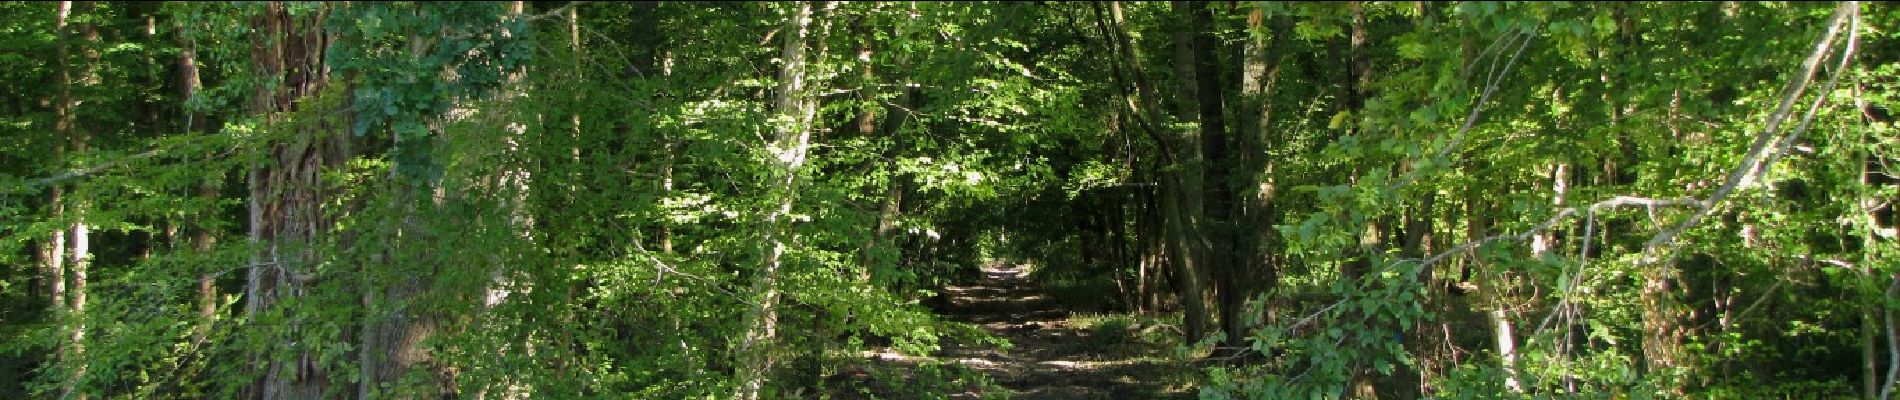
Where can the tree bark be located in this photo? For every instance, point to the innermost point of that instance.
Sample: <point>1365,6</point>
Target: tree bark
<point>1180,187</point>
<point>796,108</point>
<point>288,216</point>
<point>1372,238</point>
<point>1490,292</point>
<point>80,138</point>
<point>1218,212</point>
<point>202,237</point>
<point>54,255</point>
<point>1254,183</point>
<point>1183,203</point>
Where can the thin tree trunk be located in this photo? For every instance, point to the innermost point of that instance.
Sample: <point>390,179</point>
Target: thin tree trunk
<point>1180,189</point>
<point>666,163</point>
<point>1255,190</point>
<point>1371,240</point>
<point>867,127</point>
<point>1182,186</point>
<point>55,253</point>
<point>574,40</point>
<point>1893,339</point>
<point>796,105</point>
<point>1870,363</point>
<point>202,238</point>
<point>1218,212</point>
<point>82,232</point>
<point>1869,319</point>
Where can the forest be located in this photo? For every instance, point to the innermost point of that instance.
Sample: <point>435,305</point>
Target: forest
<point>949,200</point>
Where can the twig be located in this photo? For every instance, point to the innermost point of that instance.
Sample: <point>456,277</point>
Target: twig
<point>660,268</point>
<point>1311,317</point>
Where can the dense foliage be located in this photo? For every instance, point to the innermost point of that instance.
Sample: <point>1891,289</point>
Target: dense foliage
<point>735,200</point>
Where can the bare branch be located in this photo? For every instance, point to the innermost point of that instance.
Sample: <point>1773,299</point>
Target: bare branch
<point>560,12</point>
<point>42,183</point>
<point>1492,79</point>
<point>1759,152</point>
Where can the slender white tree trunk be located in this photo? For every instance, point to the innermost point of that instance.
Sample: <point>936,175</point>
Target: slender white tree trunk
<point>796,108</point>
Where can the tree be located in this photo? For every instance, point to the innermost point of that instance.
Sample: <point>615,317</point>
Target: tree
<point>796,107</point>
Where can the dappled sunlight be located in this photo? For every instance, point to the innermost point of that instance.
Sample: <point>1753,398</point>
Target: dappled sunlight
<point>1053,356</point>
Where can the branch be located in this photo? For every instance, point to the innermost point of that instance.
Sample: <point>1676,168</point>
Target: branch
<point>1311,317</point>
<point>42,183</point>
<point>660,268</point>
<point>1491,86</point>
<point>1112,39</point>
<point>560,12</point>
<point>1610,204</point>
<point>1759,155</point>
<point>1471,119</point>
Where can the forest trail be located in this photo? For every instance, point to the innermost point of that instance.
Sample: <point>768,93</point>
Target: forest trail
<point>1051,357</point>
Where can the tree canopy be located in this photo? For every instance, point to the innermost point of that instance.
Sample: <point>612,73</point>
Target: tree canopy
<point>761,200</point>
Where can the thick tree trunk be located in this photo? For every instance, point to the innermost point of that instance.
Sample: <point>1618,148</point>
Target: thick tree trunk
<point>287,212</point>
<point>1504,339</point>
<point>1182,203</point>
<point>1255,191</point>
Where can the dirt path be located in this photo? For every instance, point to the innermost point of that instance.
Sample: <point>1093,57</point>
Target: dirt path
<point>1051,358</point>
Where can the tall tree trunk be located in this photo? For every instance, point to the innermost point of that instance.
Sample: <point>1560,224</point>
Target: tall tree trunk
<point>1254,190</point>
<point>80,137</point>
<point>202,237</point>
<point>666,162</point>
<point>796,107</point>
<point>1182,203</point>
<point>891,202</point>
<point>1150,235</point>
<point>1180,188</point>
<point>1218,212</point>
<point>1871,325</point>
<point>1372,238</point>
<point>1490,291</point>
<point>54,255</point>
<point>288,216</point>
